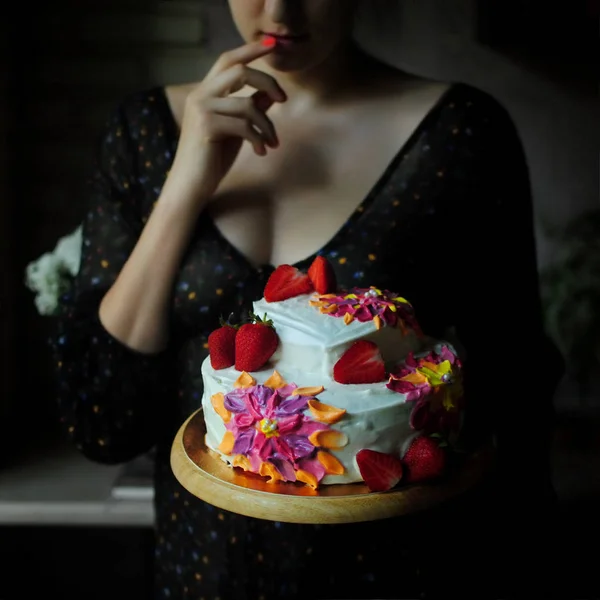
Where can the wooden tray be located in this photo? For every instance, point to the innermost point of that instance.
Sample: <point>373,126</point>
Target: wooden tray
<point>205,475</point>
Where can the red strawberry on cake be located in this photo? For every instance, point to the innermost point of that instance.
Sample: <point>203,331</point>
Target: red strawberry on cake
<point>424,460</point>
<point>221,346</point>
<point>255,343</point>
<point>322,276</point>
<point>311,399</point>
<point>287,282</point>
<point>361,363</point>
<point>381,472</point>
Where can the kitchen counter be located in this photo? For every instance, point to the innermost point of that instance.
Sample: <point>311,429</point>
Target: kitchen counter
<point>62,487</point>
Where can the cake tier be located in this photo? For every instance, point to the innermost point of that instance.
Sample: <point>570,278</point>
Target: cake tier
<point>312,341</point>
<point>376,417</point>
<point>292,421</point>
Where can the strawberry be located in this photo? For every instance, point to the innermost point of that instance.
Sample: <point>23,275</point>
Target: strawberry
<point>361,363</point>
<point>287,282</point>
<point>381,472</point>
<point>255,343</point>
<point>322,275</point>
<point>424,460</point>
<point>221,346</point>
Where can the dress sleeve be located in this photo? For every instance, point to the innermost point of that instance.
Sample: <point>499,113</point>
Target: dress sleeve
<point>108,394</point>
<point>512,369</point>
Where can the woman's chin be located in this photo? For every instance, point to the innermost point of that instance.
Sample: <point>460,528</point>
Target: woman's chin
<point>288,62</point>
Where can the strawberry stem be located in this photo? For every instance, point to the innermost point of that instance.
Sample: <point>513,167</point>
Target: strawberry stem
<point>257,320</point>
<point>229,322</point>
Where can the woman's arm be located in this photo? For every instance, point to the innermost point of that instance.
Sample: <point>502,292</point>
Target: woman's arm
<point>110,394</point>
<point>114,353</point>
<point>136,308</point>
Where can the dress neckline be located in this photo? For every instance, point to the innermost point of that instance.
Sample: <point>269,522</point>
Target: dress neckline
<point>172,134</point>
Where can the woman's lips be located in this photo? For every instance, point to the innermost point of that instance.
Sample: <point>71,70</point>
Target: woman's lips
<point>286,41</point>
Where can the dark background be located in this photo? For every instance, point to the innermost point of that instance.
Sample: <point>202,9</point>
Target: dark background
<point>59,77</point>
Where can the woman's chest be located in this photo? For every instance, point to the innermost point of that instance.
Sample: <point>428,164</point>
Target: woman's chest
<point>288,205</point>
<point>401,238</point>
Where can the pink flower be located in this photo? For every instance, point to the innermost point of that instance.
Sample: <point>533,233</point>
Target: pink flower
<point>405,379</point>
<point>439,411</point>
<point>412,384</point>
<point>433,382</point>
<point>364,304</point>
<point>270,426</point>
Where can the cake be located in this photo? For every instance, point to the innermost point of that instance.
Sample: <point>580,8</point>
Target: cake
<point>324,386</point>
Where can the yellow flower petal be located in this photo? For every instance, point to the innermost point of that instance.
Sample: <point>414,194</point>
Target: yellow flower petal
<point>325,413</point>
<point>435,373</point>
<point>276,381</point>
<point>242,461</point>
<point>328,309</point>
<point>415,378</point>
<point>452,397</point>
<point>332,465</point>
<point>307,478</point>
<point>218,403</point>
<point>328,438</point>
<point>348,318</point>
<point>226,445</point>
<point>448,402</point>
<point>378,322</point>
<point>269,470</point>
<point>245,380</point>
<point>314,390</point>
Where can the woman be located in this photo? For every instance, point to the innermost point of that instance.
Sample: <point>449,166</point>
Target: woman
<point>295,144</point>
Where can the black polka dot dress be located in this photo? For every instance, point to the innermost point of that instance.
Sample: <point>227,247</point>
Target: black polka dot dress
<point>449,226</point>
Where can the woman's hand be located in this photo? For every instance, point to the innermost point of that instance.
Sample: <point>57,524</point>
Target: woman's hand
<point>215,123</point>
<point>136,309</point>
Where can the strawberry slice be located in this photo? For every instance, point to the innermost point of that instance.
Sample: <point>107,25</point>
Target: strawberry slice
<point>322,275</point>
<point>287,282</point>
<point>381,472</point>
<point>361,363</point>
<point>424,460</point>
<point>221,346</point>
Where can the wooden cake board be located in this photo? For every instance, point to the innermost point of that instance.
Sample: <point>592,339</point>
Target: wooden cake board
<point>204,474</point>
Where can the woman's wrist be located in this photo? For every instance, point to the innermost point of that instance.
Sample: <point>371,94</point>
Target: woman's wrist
<point>182,198</point>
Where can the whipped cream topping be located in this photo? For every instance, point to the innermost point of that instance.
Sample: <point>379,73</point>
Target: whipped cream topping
<point>376,417</point>
<point>314,342</point>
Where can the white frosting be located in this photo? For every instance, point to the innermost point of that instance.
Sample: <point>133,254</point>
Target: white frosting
<point>376,417</point>
<point>314,342</point>
<point>310,344</point>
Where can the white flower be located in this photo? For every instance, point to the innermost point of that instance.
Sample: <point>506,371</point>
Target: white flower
<point>50,275</point>
<point>68,249</point>
<point>46,304</point>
